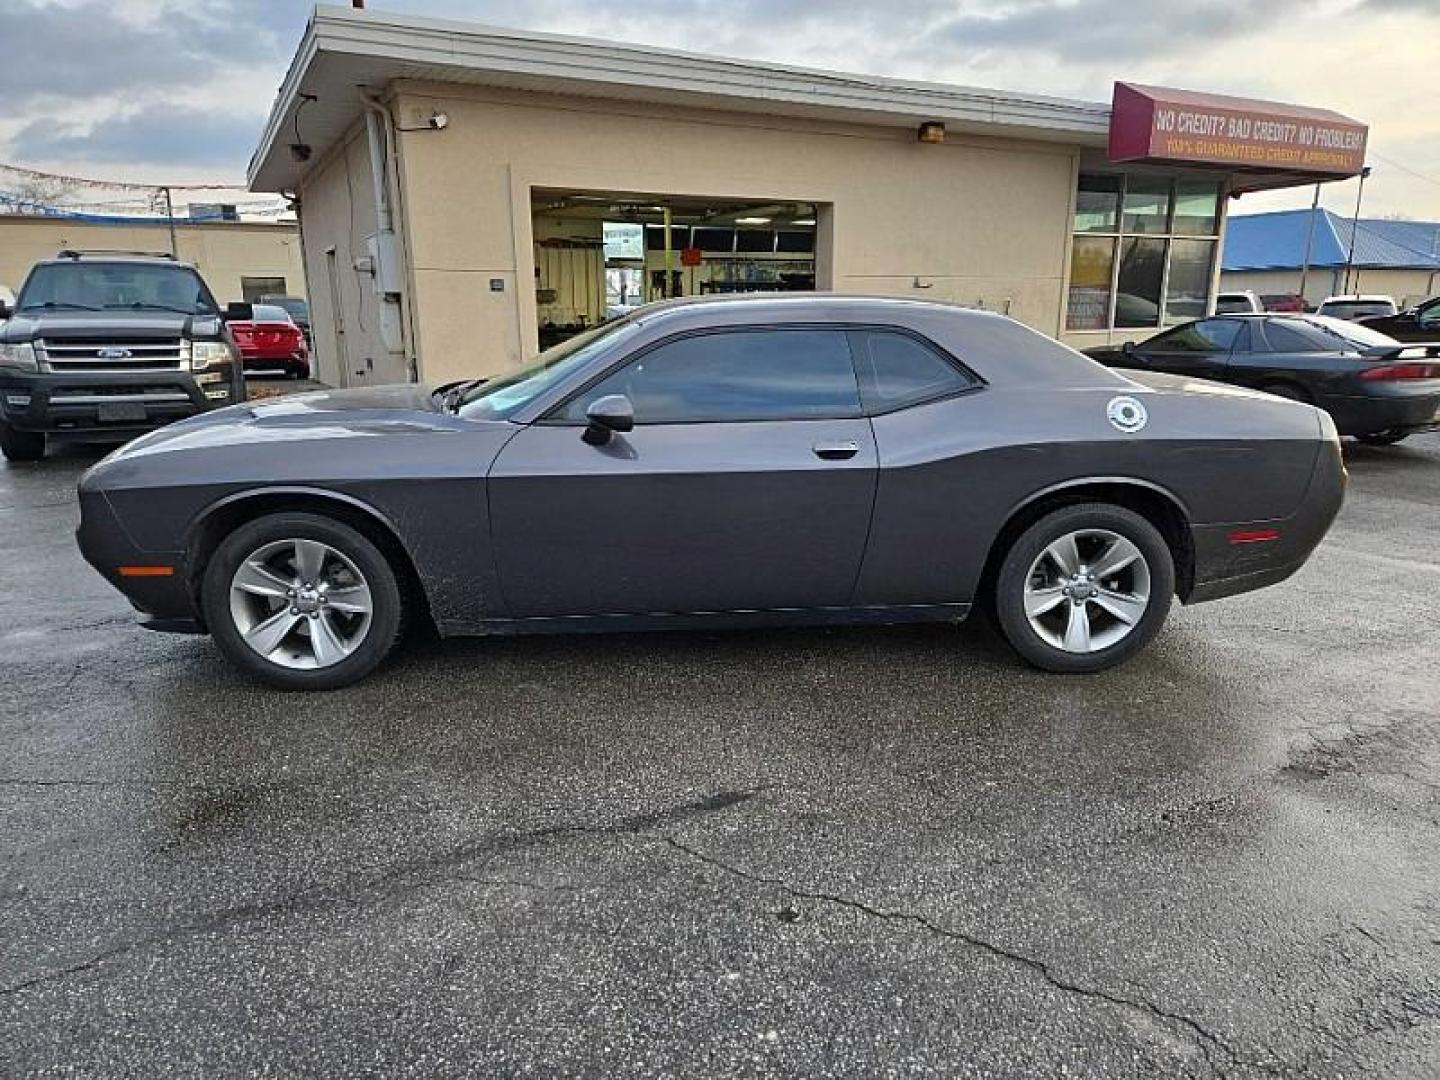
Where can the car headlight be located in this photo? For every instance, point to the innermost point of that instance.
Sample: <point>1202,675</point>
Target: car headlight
<point>20,356</point>
<point>205,353</point>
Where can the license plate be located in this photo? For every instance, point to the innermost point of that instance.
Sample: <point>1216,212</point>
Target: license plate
<point>112,412</point>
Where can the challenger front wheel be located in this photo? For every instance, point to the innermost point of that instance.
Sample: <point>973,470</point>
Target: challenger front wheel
<point>302,602</point>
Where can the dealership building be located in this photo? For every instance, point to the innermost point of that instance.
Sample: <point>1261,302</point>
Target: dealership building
<point>468,194</point>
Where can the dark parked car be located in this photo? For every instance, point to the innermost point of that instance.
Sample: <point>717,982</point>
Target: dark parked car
<point>296,308</point>
<point>725,462</point>
<point>1418,323</point>
<point>270,342</point>
<point>102,346</point>
<point>1376,388</point>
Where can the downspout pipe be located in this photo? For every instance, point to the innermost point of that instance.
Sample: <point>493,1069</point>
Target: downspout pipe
<point>377,132</point>
<point>383,248</point>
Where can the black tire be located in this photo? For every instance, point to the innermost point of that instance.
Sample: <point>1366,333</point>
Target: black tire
<point>21,445</point>
<point>1015,570</point>
<point>1383,438</point>
<point>387,616</point>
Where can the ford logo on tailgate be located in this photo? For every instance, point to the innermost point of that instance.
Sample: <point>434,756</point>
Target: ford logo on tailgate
<point>113,352</point>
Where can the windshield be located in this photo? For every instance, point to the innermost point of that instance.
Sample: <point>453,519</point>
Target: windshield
<point>499,399</point>
<point>113,286</point>
<point>1351,333</point>
<point>292,305</point>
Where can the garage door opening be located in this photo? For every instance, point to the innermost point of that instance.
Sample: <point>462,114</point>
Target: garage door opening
<point>599,255</point>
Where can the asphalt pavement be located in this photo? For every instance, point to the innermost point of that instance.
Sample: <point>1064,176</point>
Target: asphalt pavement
<point>823,852</point>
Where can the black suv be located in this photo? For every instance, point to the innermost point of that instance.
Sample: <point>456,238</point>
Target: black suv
<point>104,345</point>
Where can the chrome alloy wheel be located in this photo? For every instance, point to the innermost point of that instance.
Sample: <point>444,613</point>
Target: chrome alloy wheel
<point>300,604</point>
<point>1087,590</point>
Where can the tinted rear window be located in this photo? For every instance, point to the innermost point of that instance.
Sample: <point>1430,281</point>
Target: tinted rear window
<point>897,370</point>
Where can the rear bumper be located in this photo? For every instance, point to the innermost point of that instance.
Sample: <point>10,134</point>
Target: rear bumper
<point>103,405</point>
<point>1240,556</point>
<point>1394,411</point>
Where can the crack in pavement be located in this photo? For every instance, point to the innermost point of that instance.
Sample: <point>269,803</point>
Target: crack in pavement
<point>1207,1040</point>
<point>321,895</point>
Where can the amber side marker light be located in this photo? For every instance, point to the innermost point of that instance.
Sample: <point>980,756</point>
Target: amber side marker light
<point>146,571</point>
<point>1253,536</point>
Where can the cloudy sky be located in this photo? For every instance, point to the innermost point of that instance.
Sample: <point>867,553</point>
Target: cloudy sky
<point>176,90</point>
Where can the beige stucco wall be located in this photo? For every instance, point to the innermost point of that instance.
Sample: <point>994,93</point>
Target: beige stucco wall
<point>222,251</point>
<point>976,220</point>
<point>337,213</point>
<point>1323,281</point>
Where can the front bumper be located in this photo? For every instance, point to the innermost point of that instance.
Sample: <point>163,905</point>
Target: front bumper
<point>162,602</point>
<point>103,405</point>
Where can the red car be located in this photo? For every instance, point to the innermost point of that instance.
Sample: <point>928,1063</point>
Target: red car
<point>271,342</point>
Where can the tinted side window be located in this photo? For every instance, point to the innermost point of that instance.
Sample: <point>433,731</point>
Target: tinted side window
<point>1288,339</point>
<point>896,369</point>
<point>1207,335</point>
<point>736,375</point>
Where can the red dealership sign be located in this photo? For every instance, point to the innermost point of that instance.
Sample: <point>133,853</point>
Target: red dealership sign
<point>1151,123</point>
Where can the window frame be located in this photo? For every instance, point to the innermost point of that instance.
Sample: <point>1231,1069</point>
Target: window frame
<point>553,415</point>
<point>973,381</point>
<point>1167,236</point>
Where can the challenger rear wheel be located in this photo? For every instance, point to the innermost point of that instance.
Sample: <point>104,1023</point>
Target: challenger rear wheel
<point>302,602</point>
<point>1084,588</point>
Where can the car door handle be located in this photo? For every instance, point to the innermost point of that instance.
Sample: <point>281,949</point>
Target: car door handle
<point>836,451</point>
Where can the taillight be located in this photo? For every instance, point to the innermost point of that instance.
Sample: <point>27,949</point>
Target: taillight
<point>1401,372</point>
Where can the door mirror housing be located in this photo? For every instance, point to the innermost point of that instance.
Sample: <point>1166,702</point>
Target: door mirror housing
<point>5,311</point>
<point>1128,349</point>
<point>606,416</point>
<point>239,311</point>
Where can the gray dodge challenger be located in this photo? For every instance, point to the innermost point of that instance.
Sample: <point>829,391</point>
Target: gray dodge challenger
<point>805,459</point>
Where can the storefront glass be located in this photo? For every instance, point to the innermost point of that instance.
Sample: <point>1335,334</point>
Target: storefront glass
<point>1197,204</point>
<point>1188,287</point>
<point>1139,282</point>
<point>1092,263</point>
<point>1143,254</point>
<point>1097,203</point>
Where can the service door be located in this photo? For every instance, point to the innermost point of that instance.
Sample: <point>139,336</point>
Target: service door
<point>746,484</point>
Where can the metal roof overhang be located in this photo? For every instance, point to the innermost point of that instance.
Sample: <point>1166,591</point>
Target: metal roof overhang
<point>344,51</point>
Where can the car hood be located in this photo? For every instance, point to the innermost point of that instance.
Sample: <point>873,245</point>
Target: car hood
<point>120,322</point>
<point>320,414</point>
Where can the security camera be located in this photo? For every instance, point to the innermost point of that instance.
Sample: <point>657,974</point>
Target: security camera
<point>439,121</point>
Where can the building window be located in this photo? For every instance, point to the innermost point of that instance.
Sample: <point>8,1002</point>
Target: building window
<point>253,288</point>
<point>1092,268</point>
<point>1192,263</point>
<point>1143,253</point>
<point>1097,204</point>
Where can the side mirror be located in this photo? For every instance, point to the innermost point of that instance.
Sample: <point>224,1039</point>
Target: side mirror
<point>238,311</point>
<point>1128,348</point>
<point>607,415</point>
<point>5,311</point>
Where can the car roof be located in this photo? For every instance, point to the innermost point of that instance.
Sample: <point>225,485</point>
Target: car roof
<point>1353,298</point>
<point>117,257</point>
<point>825,305</point>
